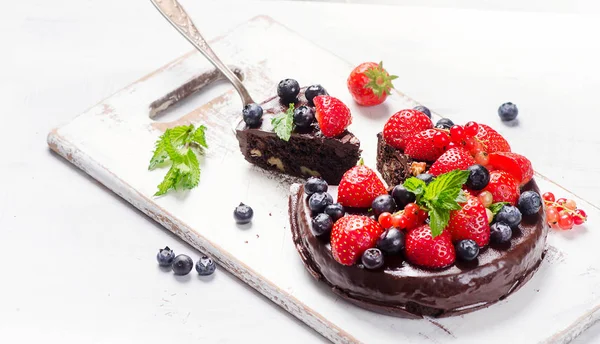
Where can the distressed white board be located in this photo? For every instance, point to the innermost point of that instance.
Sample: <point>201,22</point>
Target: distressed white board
<point>113,141</point>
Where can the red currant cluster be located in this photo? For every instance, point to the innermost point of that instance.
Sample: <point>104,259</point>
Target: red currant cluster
<point>459,136</point>
<point>412,216</point>
<point>562,213</point>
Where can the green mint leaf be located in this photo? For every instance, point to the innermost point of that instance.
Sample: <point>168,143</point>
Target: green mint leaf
<point>415,185</point>
<point>160,154</point>
<point>450,183</point>
<point>199,136</point>
<point>283,124</point>
<point>496,207</point>
<point>461,198</point>
<point>438,220</point>
<point>192,176</point>
<point>446,201</point>
<point>180,135</point>
<point>168,182</point>
<point>173,152</point>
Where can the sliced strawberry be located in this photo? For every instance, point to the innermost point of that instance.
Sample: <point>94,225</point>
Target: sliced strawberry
<point>351,236</point>
<point>421,146</point>
<point>491,140</point>
<point>332,115</point>
<point>454,159</point>
<point>404,124</point>
<point>359,186</point>
<point>424,250</point>
<point>513,163</point>
<point>504,187</point>
<point>470,222</point>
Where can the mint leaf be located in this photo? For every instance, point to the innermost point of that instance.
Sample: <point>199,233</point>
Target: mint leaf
<point>496,207</point>
<point>172,151</point>
<point>461,198</point>
<point>446,201</point>
<point>199,136</point>
<point>160,154</point>
<point>168,182</point>
<point>450,183</point>
<point>283,124</point>
<point>180,135</point>
<point>415,185</point>
<point>438,220</point>
<point>192,177</point>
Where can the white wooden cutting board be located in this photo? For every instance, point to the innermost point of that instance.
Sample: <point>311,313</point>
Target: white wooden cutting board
<point>113,142</point>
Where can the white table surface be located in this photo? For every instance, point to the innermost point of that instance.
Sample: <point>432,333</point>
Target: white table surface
<point>79,261</point>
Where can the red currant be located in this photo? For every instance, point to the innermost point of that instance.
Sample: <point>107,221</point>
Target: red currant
<point>552,215</point>
<point>482,158</point>
<point>441,139</point>
<point>548,197</point>
<point>457,134</point>
<point>411,208</point>
<point>565,220</point>
<point>490,215</point>
<point>561,201</point>
<point>385,220</point>
<point>570,204</point>
<point>486,198</point>
<point>411,220</point>
<point>579,217</point>
<point>471,129</point>
<point>470,143</point>
<point>399,221</point>
<point>422,216</point>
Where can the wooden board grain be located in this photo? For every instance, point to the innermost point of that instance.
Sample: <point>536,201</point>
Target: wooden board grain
<point>113,141</point>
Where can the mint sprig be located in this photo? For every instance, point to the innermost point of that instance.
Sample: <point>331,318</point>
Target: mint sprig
<point>440,197</point>
<point>283,124</point>
<point>496,207</point>
<point>179,146</point>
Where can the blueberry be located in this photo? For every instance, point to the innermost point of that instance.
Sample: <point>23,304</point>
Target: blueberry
<point>426,177</point>
<point>530,202</point>
<point>467,250</point>
<point>508,111</point>
<point>402,196</point>
<point>479,177</point>
<point>318,201</point>
<point>303,116</point>
<point>205,266</point>
<point>444,123</point>
<point>252,114</point>
<point>500,232</point>
<point>509,215</point>
<point>335,211</point>
<point>182,265</point>
<point>321,224</point>
<point>243,214</point>
<point>382,204</point>
<point>423,109</point>
<point>391,241</point>
<point>288,90</point>
<point>165,256</point>
<point>372,258</point>
<point>312,92</point>
<point>314,184</point>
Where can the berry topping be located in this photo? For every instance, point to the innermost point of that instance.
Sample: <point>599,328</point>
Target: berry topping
<point>333,115</point>
<point>303,117</point>
<point>351,236</point>
<point>491,140</point>
<point>288,90</point>
<point>513,163</point>
<point>548,197</point>
<point>369,83</point>
<point>165,256</point>
<point>482,158</point>
<point>182,265</point>
<point>500,232</point>
<point>509,215</point>
<point>490,215</point>
<point>385,220</point>
<point>471,129</point>
<point>441,139</point>
<point>382,204</point>
<point>486,198</point>
<point>399,221</point>
<point>335,211</point>
<point>470,222</point>
<point>403,125</point>
<point>530,203</point>
<point>318,201</point>
<point>313,91</point>
<point>315,184</point>
<point>453,159</point>
<point>359,187</point>
<point>402,196</point>
<point>503,187</point>
<point>252,114</point>
<point>205,266</point>
<point>243,214</point>
<point>479,177</point>
<point>426,177</point>
<point>565,220</point>
<point>444,123</point>
<point>467,250</point>
<point>423,109</point>
<point>321,224</point>
<point>391,241</point>
<point>508,111</point>
<point>457,134</point>
<point>422,146</point>
<point>424,250</point>
<point>372,259</point>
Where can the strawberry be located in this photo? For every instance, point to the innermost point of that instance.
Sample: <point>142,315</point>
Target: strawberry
<point>454,159</point>
<point>351,236</point>
<point>359,186</point>
<point>333,115</point>
<point>503,186</point>
<point>404,124</point>
<point>421,146</point>
<point>470,222</point>
<point>491,140</point>
<point>513,163</point>
<point>429,252</point>
<point>369,83</point>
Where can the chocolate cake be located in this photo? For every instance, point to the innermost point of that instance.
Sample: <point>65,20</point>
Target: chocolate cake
<point>307,153</point>
<point>392,163</point>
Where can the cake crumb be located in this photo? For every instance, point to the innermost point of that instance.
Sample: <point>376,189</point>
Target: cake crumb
<point>245,242</point>
<point>257,236</point>
<point>270,214</point>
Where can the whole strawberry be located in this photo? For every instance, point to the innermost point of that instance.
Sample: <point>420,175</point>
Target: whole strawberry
<point>351,236</point>
<point>455,158</point>
<point>424,250</point>
<point>359,186</point>
<point>421,146</point>
<point>332,115</point>
<point>513,163</point>
<point>491,140</point>
<point>403,125</point>
<point>470,222</point>
<point>369,83</point>
<point>503,187</point>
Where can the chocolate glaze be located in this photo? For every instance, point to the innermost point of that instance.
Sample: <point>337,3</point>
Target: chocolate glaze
<point>404,290</point>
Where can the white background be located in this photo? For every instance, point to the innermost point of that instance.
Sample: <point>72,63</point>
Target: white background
<point>79,262</point>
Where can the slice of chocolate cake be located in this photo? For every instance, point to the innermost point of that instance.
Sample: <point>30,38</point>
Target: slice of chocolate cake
<point>392,163</point>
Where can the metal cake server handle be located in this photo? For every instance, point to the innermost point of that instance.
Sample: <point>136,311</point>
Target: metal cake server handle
<point>178,17</point>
